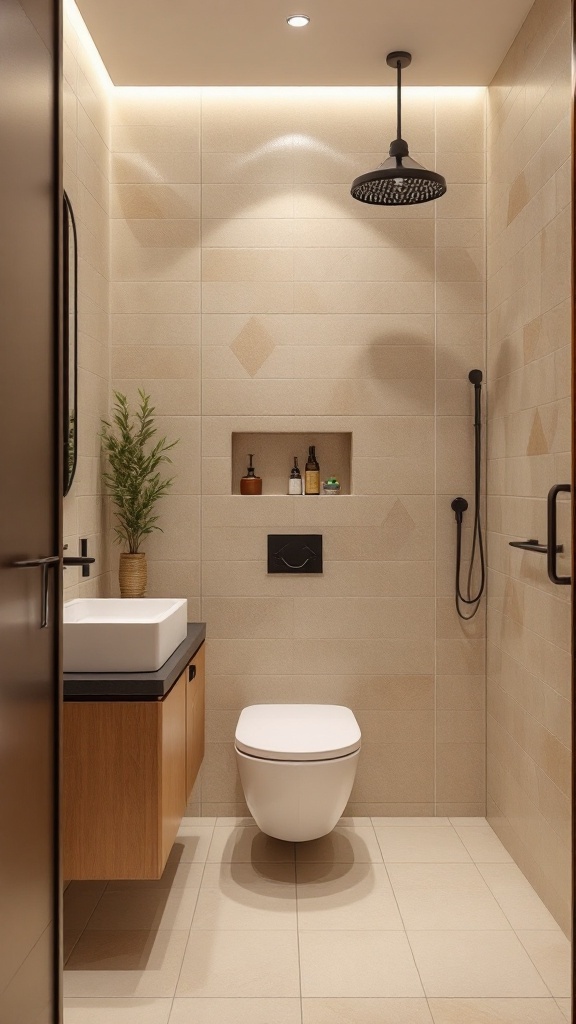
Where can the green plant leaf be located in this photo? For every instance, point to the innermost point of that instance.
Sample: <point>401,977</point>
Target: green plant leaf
<point>132,477</point>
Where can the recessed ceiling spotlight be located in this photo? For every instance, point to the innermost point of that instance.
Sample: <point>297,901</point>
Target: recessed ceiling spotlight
<point>298,20</point>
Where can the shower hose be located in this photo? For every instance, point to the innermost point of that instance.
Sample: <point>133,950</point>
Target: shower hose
<point>467,602</point>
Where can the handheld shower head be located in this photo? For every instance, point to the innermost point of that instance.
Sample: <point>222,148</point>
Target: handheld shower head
<point>475,378</point>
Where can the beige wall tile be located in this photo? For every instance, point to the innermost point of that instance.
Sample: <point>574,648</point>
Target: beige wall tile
<point>377,232</point>
<point>252,232</point>
<point>156,107</point>
<point>155,166</point>
<point>460,772</point>
<point>154,329</point>
<point>155,362</point>
<point>338,618</point>
<point>528,285</point>
<point>365,264</point>
<point>361,297</point>
<point>245,264</point>
<point>154,297</point>
<point>252,201</point>
<point>156,202</point>
<point>229,618</point>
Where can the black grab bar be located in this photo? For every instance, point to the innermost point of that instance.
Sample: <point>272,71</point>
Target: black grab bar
<point>552,535</point>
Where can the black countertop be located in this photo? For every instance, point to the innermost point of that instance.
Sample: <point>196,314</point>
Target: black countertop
<point>136,685</point>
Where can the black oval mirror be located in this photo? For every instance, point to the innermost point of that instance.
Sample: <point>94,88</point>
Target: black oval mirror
<point>70,344</point>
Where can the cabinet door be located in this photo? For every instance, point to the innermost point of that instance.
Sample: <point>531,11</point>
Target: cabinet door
<point>195,675</point>
<point>111,789</point>
<point>172,755</point>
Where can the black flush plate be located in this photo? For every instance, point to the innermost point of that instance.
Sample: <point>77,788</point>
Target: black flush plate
<point>295,552</point>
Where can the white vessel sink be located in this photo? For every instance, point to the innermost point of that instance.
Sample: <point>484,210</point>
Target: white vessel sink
<point>122,634</point>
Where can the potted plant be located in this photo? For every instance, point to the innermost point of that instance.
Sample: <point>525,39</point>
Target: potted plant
<point>135,483</point>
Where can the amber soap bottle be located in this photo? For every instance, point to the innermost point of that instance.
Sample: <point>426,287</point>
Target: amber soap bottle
<point>251,484</point>
<point>312,473</point>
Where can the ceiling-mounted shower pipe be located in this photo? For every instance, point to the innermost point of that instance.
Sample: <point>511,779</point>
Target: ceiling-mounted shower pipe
<point>399,181</point>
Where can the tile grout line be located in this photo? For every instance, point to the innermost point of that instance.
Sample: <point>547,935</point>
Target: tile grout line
<point>191,923</point>
<point>393,891</point>
<point>298,934</point>
<point>88,919</point>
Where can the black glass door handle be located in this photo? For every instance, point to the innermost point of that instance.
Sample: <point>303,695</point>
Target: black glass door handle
<point>49,562</point>
<point>553,533</point>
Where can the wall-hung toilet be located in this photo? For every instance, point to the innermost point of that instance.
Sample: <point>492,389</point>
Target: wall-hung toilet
<point>297,764</point>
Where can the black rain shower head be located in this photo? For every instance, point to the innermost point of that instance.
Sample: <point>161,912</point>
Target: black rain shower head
<point>399,181</point>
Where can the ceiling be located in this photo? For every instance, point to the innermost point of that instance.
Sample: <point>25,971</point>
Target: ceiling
<point>247,42</point>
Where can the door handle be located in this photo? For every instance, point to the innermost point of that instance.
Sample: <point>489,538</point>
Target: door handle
<point>44,564</point>
<point>552,535</point>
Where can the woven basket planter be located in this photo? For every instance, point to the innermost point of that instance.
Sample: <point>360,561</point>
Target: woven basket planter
<point>133,575</point>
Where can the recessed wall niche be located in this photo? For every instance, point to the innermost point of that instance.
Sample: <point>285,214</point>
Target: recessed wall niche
<point>274,457</point>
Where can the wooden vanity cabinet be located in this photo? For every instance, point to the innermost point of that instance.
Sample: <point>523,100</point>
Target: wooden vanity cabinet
<point>128,768</point>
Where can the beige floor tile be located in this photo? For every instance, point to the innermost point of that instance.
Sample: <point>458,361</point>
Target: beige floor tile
<point>550,953</point>
<point>125,963</point>
<point>192,822</point>
<point>357,822</point>
<point>410,821</point>
<point>477,964</point>
<point>343,845</point>
<point>117,1011</point>
<point>235,1011</point>
<point>69,939</point>
<point>176,875</point>
<point>192,844</point>
<point>365,1011</point>
<point>353,964</point>
<point>145,910</point>
<point>565,1006</point>
<point>483,845</point>
<point>495,1011</point>
<point>79,902</point>
<point>225,821</point>
<point>239,897</point>
<point>246,844</point>
<point>345,897</point>
<point>468,822</point>
<point>224,964</point>
<point>420,845</point>
<point>445,896</point>
<point>522,906</point>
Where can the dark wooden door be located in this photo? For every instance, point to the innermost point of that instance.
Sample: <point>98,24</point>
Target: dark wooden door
<point>29,511</point>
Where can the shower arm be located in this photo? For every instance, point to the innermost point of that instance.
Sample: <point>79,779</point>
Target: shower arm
<point>398,147</point>
<point>398,100</point>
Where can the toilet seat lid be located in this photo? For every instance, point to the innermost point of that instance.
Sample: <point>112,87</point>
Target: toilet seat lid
<point>297,732</point>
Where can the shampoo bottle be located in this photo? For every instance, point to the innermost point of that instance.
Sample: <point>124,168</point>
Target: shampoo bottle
<point>295,481</point>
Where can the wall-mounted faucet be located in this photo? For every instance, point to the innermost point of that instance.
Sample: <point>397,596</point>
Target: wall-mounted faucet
<point>82,559</point>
